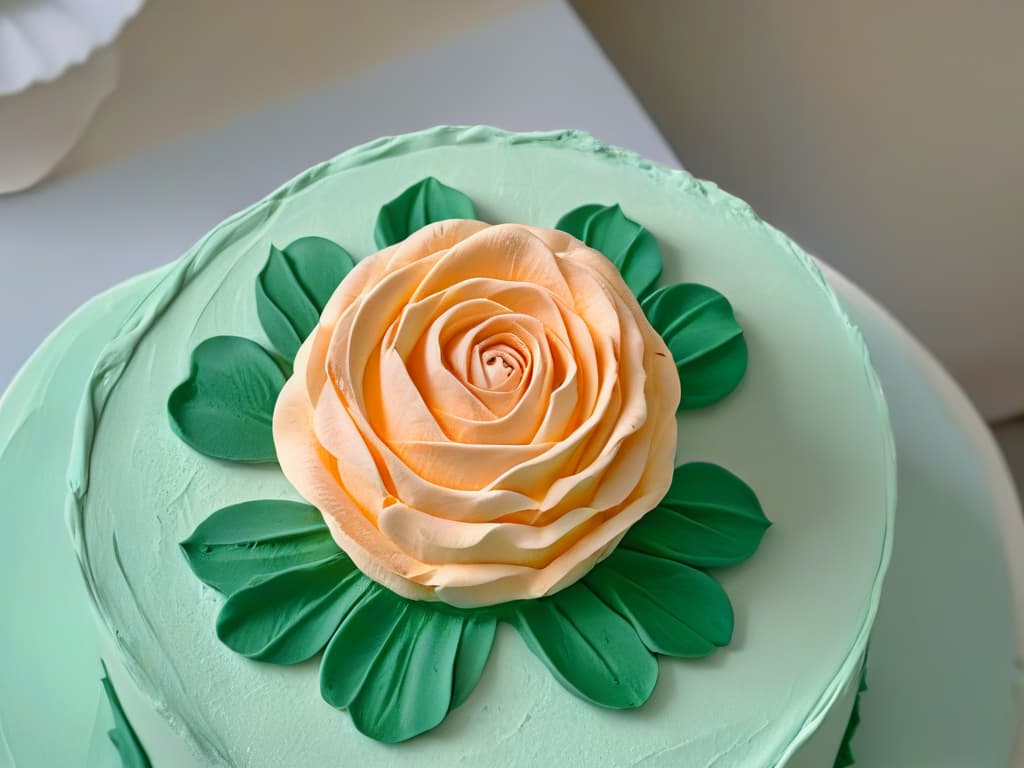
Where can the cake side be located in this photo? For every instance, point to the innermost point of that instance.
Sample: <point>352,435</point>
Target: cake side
<point>208,293</point>
<point>37,412</point>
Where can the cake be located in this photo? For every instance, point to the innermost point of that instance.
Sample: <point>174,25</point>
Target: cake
<point>468,445</point>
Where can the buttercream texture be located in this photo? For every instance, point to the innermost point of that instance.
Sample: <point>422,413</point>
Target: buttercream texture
<point>481,413</point>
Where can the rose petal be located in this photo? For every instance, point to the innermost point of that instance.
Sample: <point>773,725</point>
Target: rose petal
<point>481,413</point>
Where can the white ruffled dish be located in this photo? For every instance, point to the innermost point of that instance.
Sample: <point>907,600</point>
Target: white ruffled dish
<point>41,39</point>
<point>57,64</point>
<point>42,123</point>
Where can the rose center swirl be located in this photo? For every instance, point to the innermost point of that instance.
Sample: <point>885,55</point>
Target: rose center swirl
<point>494,360</point>
<point>499,364</point>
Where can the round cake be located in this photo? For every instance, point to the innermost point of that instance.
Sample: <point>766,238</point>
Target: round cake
<point>509,449</point>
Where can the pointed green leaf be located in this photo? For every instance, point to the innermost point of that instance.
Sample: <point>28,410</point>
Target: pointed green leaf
<point>359,641</point>
<point>423,203</point>
<point>319,266</point>
<point>474,649</point>
<point>294,287</point>
<point>677,610</point>
<point>575,221</point>
<point>122,735</point>
<point>708,518</point>
<point>631,248</point>
<point>412,679</point>
<point>400,665</point>
<point>225,407</point>
<point>247,542</point>
<point>590,649</point>
<point>706,342</point>
<point>290,616</point>
<point>392,663</point>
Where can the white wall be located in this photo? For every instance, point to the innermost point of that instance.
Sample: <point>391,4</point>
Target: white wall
<point>886,135</point>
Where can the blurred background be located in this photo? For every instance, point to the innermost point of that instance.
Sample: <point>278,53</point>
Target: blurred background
<point>885,137</point>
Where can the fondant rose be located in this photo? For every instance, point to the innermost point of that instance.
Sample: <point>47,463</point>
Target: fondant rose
<point>481,413</point>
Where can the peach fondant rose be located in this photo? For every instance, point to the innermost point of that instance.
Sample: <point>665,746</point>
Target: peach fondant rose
<point>481,413</point>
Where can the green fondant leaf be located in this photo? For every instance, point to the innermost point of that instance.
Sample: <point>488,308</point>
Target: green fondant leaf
<point>122,735</point>
<point>289,617</point>
<point>412,679</point>
<point>677,610</point>
<point>294,286</point>
<point>575,221</point>
<point>225,407</point>
<point>358,643</point>
<point>708,518</point>
<point>474,649</point>
<point>247,542</point>
<point>706,342</point>
<point>395,663</point>
<point>631,248</point>
<point>423,203</point>
<point>589,648</point>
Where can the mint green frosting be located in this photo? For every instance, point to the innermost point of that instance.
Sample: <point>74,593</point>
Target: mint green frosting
<point>808,430</point>
<point>49,602</point>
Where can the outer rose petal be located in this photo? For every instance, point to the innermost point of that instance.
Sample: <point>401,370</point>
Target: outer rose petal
<point>481,413</point>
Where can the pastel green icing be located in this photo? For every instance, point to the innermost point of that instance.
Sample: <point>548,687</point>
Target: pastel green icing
<point>820,750</point>
<point>137,491</point>
<point>37,414</point>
